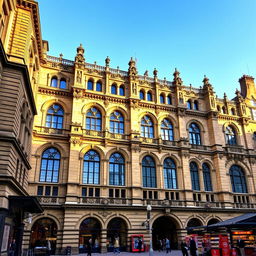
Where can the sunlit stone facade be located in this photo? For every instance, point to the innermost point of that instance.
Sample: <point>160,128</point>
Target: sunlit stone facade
<point>106,143</point>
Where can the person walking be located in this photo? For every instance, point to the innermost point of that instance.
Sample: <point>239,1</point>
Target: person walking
<point>140,244</point>
<point>89,247</point>
<point>116,245</point>
<point>193,247</point>
<point>241,245</point>
<point>167,245</point>
<point>184,248</point>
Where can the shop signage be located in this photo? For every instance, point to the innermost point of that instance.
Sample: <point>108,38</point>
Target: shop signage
<point>215,252</point>
<point>224,245</point>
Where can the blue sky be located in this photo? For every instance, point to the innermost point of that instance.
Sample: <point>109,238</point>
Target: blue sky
<point>216,38</point>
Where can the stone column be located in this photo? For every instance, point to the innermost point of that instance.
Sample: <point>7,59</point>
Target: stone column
<point>103,241</point>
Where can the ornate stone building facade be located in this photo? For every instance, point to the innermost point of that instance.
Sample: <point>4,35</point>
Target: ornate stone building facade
<point>106,143</point>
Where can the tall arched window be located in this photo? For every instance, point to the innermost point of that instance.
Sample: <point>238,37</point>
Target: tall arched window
<point>233,111</point>
<point>149,96</point>
<point>91,170</point>
<point>207,177</point>
<point>194,134</point>
<point>142,95</point>
<point>194,176</point>
<point>167,130</point>
<point>54,117</point>
<point>90,85</point>
<point>121,90</point>
<point>224,110</point>
<point>170,178</point>
<point>162,99</point>
<point>116,170</point>
<point>196,105</point>
<point>147,127</point>
<point>63,83</point>
<point>189,105</point>
<point>93,119</point>
<point>149,172</point>
<point>113,89</point>
<point>169,100</point>
<point>230,136</point>
<point>238,179</point>
<point>117,123</point>
<point>54,82</point>
<point>99,86</point>
<point>50,165</point>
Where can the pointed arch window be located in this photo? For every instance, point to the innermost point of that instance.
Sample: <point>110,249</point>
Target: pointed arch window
<point>169,100</point>
<point>117,123</point>
<point>149,172</point>
<point>54,82</point>
<point>207,177</point>
<point>54,117</point>
<point>116,170</point>
<point>167,130</point>
<point>113,89</point>
<point>91,168</point>
<point>194,134</point>
<point>93,119</point>
<point>194,176</point>
<point>196,105</point>
<point>147,127</point>
<point>170,177</point>
<point>99,86</point>
<point>63,83</point>
<point>189,105</point>
<point>50,165</point>
<point>230,136</point>
<point>90,85</point>
<point>121,90</point>
<point>238,179</point>
<point>149,96</point>
<point>142,95</point>
<point>162,99</point>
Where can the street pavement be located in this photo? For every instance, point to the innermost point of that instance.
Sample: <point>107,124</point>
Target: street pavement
<point>156,253</point>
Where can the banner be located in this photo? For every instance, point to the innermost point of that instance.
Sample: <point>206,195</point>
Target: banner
<point>224,245</point>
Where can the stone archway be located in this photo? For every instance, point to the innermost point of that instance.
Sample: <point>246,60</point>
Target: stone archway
<point>44,234</point>
<point>90,228</point>
<point>212,221</point>
<point>165,227</point>
<point>194,222</point>
<point>117,228</point>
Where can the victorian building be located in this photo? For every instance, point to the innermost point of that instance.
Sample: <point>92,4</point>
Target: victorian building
<point>106,143</point>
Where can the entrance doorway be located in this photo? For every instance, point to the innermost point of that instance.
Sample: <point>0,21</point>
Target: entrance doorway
<point>117,229</point>
<point>164,227</point>
<point>44,235</point>
<point>90,228</point>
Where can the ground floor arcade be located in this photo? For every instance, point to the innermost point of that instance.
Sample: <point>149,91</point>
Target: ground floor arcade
<point>74,227</point>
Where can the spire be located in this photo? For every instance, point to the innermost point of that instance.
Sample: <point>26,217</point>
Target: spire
<point>80,55</point>
<point>207,85</point>
<point>176,80</point>
<point>107,61</point>
<point>132,68</point>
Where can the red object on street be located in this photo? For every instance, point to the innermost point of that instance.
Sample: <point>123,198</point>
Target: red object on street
<point>135,243</point>
<point>233,252</point>
<point>215,252</point>
<point>224,245</point>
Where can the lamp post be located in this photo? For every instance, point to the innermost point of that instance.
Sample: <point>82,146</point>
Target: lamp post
<point>149,209</point>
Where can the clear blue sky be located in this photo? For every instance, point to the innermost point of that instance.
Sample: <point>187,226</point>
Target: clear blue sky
<point>212,37</point>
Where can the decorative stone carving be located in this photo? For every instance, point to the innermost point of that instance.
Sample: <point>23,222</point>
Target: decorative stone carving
<point>104,213</point>
<point>132,71</point>
<point>177,80</point>
<point>80,55</point>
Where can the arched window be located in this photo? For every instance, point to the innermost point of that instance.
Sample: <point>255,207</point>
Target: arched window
<point>50,165</point>
<point>116,170</point>
<point>230,136</point>
<point>233,112</point>
<point>54,82</point>
<point>224,110</point>
<point>63,83</point>
<point>121,90</point>
<point>113,89</point>
<point>54,117</point>
<point>170,178</point>
<point>99,86</point>
<point>238,179</point>
<point>189,105</point>
<point>142,95</point>
<point>169,100</point>
<point>162,99</point>
<point>91,170</point>
<point>117,123</point>
<point>196,106</point>
<point>90,85</point>
<point>147,127</point>
<point>149,96</point>
<point>194,176</point>
<point>218,108</point>
<point>149,172</point>
<point>207,177</point>
<point>194,134</point>
<point>167,130</point>
<point>93,119</point>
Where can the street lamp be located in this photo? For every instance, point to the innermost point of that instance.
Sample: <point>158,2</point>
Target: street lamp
<point>149,209</point>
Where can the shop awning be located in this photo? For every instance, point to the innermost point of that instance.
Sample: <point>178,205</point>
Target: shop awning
<point>26,203</point>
